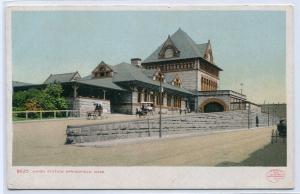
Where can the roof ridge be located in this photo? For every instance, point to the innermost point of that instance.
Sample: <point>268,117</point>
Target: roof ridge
<point>201,43</point>
<point>187,47</point>
<point>64,73</point>
<point>192,43</point>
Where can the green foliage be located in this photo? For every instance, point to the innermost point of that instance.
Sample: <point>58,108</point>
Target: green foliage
<point>47,99</point>
<point>32,104</point>
<point>20,98</point>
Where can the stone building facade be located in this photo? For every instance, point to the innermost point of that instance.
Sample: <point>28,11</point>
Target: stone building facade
<point>221,100</point>
<point>194,65</point>
<point>121,88</point>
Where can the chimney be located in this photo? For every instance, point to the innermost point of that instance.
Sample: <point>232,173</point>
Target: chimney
<point>136,61</point>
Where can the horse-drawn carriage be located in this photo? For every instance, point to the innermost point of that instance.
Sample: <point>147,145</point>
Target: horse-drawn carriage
<point>145,108</point>
<point>280,132</point>
<point>98,111</point>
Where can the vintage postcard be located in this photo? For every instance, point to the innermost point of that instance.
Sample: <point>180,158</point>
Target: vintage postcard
<point>149,97</point>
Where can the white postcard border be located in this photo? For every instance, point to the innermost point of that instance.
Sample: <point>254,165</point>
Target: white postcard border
<point>151,177</point>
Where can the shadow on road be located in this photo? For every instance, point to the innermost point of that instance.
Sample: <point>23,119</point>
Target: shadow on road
<point>270,155</point>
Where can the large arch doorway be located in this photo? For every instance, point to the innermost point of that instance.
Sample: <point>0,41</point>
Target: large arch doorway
<point>213,107</point>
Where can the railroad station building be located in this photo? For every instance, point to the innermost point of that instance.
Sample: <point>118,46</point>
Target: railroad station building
<point>190,81</point>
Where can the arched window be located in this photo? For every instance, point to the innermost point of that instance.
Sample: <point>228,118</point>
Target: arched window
<point>169,53</point>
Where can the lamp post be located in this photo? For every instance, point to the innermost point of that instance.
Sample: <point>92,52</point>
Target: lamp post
<point>160,77</point>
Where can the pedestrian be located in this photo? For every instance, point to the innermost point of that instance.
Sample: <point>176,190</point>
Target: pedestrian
<point>257,121</point>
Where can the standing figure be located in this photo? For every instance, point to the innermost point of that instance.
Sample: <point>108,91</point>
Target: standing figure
<point>257,121</point>
<point>98,109</point>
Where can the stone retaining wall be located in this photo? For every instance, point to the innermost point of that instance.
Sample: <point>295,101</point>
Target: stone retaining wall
<point>85,105</point>
<point>170,125</point>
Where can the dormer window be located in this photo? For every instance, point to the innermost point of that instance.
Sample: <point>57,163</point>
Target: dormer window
<point>177,81</point>
<point>169,53</point>
<point>208,57</point>
<point>177,84</point>
<point>159,76</point>
<point>208,53</point>
<point>168,50</point>
<point>102,71</point>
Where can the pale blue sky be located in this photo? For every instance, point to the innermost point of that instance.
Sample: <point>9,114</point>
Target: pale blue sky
<point>248,45</point>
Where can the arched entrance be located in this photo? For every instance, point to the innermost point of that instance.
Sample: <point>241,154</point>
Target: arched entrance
<point>213,105</point>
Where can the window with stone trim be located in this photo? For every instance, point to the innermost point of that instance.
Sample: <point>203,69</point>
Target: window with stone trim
<point>159,101</point>
<point>139,96</point>
<point>177,102</point>
<point>169,53</point>
<point>169,100</point>
<point>145,96</point>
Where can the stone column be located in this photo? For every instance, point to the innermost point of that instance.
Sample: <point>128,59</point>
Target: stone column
<point>134,96</point>
<point>104,92</point>
<point>165,99</point>
<point>75,94</point>
<point>142,95</point>
<point>183,104</point>
<point>75,88</point>
<point>154,98</point>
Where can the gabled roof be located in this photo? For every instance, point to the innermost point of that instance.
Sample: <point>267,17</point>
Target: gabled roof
<point>102,63</point>
<point>127,72</point>
<point>183,42</point>
<point>186,46</point>
<point>103,83</point>
<point>149,72</point>
<point>61,78</point>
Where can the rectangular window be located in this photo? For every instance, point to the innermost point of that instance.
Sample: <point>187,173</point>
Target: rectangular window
<point>145,97</point>
<point>152,97</point>
<point>158,100</point>
<point>177,102</point>
<point>169,100</point>
<point>139,96</point>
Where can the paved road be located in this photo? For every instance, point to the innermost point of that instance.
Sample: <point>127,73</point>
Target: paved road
<point>42,143</point>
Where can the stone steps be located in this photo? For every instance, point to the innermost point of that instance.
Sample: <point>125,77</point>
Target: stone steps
<point>170,125</point>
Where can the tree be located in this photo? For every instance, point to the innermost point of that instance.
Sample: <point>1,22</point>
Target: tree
<point>21,98</point>
<point>32,104</point>
<point>47,99</point>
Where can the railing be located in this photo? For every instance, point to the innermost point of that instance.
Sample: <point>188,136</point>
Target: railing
<point>44,114</point>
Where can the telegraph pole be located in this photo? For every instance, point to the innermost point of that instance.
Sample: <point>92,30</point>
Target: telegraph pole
<point>268,115</point>
<point>161,77</point>
<point>249,112</point>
